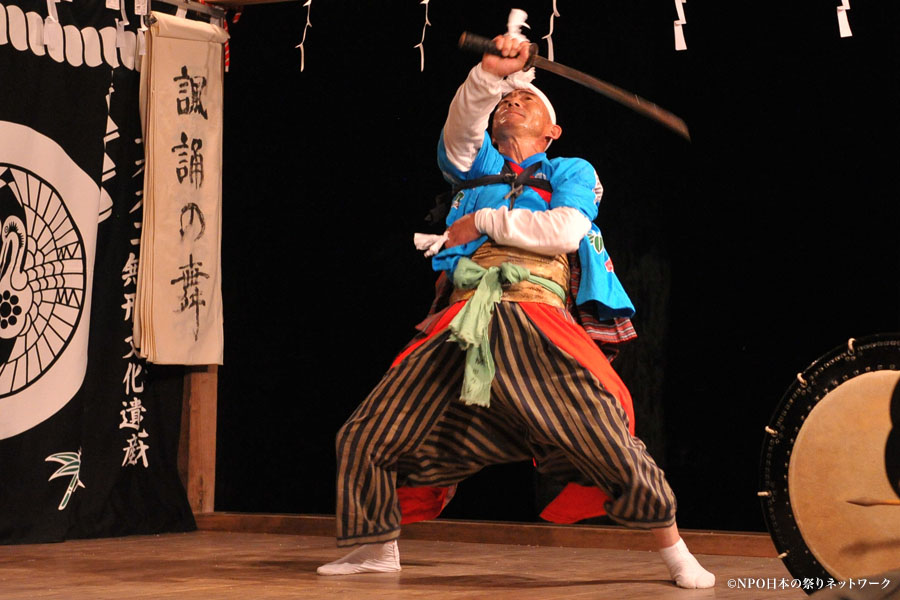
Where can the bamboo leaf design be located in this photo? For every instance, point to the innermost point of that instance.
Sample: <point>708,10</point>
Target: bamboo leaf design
<point>71,465</point>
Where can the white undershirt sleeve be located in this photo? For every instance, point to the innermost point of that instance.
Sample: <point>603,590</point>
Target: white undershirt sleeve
<point>468,116</point>
<point>550,232</point>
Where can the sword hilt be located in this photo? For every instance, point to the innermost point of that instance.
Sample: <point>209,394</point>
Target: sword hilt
<point>477,44</point>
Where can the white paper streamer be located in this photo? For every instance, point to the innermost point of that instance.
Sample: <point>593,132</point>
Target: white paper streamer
<point>843,23</point>
<point>549,35</point>
<point>112,4</point>
<point>140,10</point>
<point>52,30</point>
<point>52,15</point>
<point>421,44</point>
<point>120,27</point>
<point>308,5</point>
<point>679,33</point>
<point>181,13</point>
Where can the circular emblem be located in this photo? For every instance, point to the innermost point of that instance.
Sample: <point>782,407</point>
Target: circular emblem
<point>48,220</point>
<point>41,277</point>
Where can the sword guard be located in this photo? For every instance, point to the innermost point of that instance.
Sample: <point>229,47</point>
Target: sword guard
<point>477,44</point>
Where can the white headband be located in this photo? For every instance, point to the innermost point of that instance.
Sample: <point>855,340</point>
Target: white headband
<point>534,90</point>
<point>521,80</point>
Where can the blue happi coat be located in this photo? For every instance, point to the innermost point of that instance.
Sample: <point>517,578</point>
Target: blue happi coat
<point>575,184</point>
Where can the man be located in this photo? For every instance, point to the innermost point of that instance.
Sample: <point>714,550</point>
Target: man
<point>533,384</point>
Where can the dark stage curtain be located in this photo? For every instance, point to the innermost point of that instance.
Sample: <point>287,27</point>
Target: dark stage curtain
<point>748,252</point>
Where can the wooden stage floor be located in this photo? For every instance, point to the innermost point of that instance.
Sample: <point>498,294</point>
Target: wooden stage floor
<point>216,565</point>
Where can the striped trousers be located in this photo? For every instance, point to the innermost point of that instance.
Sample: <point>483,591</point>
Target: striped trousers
<point>412,430</point>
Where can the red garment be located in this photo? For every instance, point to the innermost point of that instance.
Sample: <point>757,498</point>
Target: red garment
<point>575,502</point>
<point>545,194</point>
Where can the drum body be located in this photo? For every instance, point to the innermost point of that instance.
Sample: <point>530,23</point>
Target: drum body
<point>829,479</point>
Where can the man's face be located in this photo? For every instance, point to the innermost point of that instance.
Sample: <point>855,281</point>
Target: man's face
<point>521,112</point>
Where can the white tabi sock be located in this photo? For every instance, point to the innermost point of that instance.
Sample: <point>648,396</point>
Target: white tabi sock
<point>380,557</point>
<point>684,568</point>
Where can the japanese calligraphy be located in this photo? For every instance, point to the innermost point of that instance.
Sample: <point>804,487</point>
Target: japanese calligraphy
<point>191,293</point>
<point>191,197</point>
<point>190,160</point>
<point>132,415</point>
<point>190,93</point>
<point>807,583</point>
<point>129,272</point>
<point>188,213</point>
<point>136,450</point>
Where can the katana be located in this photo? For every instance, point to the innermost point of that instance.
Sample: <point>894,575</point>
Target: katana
<point>482,45</point>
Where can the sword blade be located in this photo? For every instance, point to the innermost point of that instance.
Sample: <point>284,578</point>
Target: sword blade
<point>481,45</point>
<point>626,98</point>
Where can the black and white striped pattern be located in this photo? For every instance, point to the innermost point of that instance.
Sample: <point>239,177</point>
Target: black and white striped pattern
<point>413,430</point>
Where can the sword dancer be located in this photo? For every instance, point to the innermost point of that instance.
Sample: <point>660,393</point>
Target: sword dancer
<point>533,383</point>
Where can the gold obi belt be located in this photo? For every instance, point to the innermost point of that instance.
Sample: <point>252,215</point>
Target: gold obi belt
<point>554,268</point>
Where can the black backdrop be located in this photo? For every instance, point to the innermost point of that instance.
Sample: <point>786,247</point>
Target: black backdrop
<point>764,243</point>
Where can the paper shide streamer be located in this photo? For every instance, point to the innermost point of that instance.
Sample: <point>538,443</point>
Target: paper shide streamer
<point>549,36</point>
<point>52,29</point>
<point>679,33</point>
<point>421,44</point>
<point>141,9</point>
<point>120,26</point>
<point>843,22</point>
<point>308,5</point>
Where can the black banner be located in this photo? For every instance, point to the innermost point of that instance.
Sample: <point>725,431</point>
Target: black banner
<point>88,432</point>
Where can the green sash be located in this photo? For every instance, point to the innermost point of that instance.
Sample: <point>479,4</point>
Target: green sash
<point>470,327</point>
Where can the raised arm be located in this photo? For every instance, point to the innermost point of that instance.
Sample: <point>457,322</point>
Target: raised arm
<point>471,107</point>
<point>556,231</point>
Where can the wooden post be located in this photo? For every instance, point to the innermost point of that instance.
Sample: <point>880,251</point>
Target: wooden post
<point>197,444</point>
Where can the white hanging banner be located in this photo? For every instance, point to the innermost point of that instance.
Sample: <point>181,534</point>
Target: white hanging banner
<point>178,312</point>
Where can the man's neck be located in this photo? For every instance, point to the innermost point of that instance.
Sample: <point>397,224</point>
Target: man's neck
<point>519,149</point>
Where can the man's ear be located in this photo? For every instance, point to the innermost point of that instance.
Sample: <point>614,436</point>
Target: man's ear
<point>554,132</point>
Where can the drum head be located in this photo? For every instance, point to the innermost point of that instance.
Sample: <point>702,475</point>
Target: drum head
<point>829,473</point>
